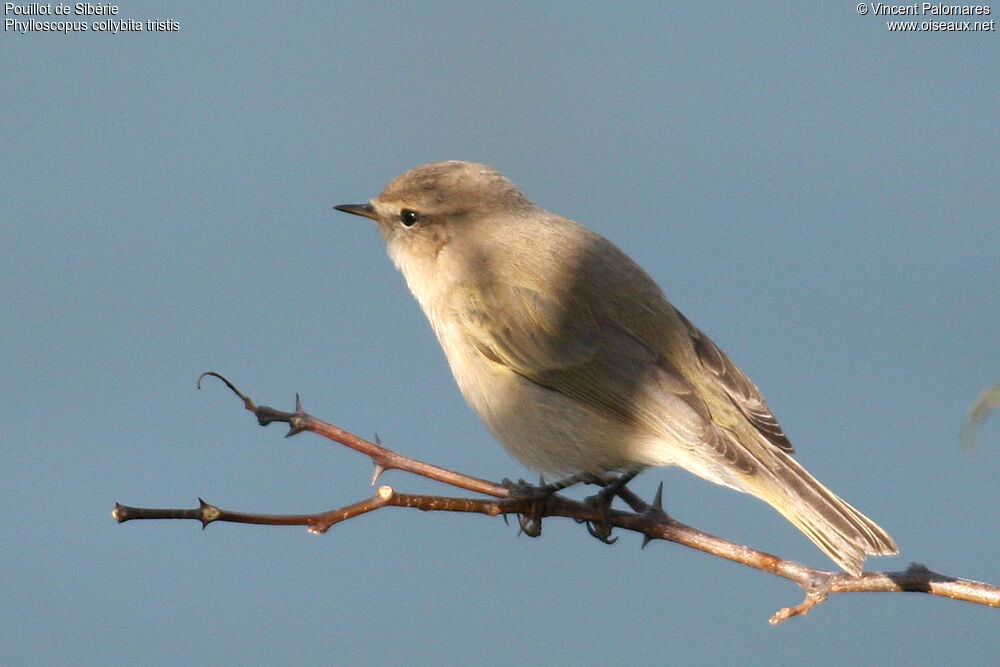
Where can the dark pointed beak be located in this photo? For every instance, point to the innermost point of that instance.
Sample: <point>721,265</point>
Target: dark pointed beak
<point>367,210</point>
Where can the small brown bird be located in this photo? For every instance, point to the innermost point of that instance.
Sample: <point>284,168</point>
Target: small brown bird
<point>576,361</point>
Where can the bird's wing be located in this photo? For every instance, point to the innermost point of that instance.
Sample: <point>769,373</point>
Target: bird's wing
<point>564,347</point>
<point>741,391</point>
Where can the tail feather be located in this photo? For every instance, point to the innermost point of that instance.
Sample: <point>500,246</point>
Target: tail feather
<point>843,533</point>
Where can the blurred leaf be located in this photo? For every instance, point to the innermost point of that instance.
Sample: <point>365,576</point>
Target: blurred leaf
<point>988,400</point>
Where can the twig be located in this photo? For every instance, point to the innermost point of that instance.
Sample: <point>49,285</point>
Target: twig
<point>384,459</point>
<point>648,519</point>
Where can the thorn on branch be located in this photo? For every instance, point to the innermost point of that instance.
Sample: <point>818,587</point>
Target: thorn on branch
<point>209,513</point>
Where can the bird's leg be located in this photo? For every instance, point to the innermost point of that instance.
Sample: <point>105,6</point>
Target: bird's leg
<point>531,523</point>
<point>601,529</point>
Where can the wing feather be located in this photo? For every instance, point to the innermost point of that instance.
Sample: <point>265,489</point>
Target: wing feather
<point>741,391</point>
<point>597,361</point>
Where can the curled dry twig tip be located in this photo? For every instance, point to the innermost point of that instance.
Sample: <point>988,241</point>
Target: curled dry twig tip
<point>249,404</point>
<point>213,374</point>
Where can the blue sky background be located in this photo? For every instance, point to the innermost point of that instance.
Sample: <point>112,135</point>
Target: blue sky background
<point>818,194</point>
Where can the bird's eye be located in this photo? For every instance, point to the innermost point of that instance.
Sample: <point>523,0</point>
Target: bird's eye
<point>408,217</point>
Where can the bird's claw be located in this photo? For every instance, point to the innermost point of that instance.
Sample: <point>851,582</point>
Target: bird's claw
<point>531,522</point>
<point>530,525</point>
<point>601,529</point>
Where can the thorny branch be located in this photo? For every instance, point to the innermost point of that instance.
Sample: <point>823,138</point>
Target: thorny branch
<point>534,503</point>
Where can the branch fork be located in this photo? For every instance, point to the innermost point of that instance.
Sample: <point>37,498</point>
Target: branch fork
<point>532,504</point>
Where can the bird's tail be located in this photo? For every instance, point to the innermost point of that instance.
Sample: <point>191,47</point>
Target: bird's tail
<point>843,533</point>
